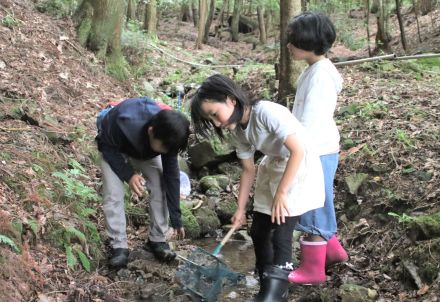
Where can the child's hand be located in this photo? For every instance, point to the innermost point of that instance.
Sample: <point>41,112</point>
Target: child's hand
<point>279,209</point>
<point>239,218</point>
<point>137,184</point>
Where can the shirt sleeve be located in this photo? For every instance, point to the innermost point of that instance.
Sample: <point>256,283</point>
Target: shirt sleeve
<point>172,188</point>
<point>279,121</point>
<point>244,149</point>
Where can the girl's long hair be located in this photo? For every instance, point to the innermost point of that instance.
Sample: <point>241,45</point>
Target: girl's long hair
<point>217,88</point>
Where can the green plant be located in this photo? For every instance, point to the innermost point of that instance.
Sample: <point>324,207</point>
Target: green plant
<point>77,194</point>
<point>57,8</point>
<point>8,241</point>
<point>403,138</point>
<point>10,21</point>
<point>403,218</point>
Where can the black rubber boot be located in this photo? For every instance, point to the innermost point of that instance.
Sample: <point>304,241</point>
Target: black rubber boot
<point>161,250</point>
<point>274,286</point>
<point>118,258</point>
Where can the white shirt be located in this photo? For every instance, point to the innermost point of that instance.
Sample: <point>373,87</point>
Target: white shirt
<point>268,128</point>
<point>315,102</point>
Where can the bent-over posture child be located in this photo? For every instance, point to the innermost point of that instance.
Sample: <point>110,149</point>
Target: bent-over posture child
<point>141,136</point>
<point>289,181</point>
<point>309,37</point>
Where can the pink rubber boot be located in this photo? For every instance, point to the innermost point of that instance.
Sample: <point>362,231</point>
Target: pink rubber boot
<point>335,252</point>
<point>312,267</point>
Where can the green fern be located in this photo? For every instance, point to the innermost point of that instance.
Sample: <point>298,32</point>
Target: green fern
<point>71,259</point>
<point>8,241</point>
<point>84,260</point>
<point>77,233</point>
<point>33,225</point>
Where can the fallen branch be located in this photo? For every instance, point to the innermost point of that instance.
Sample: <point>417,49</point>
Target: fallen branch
<point>388,57</point>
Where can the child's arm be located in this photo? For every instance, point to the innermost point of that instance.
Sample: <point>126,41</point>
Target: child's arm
<point>246,180</point>
<point>280,202</point>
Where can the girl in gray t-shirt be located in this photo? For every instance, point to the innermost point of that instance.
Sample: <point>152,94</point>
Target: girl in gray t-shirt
<point>289,181</point>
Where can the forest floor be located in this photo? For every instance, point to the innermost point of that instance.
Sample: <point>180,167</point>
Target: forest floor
<point>51,89</point>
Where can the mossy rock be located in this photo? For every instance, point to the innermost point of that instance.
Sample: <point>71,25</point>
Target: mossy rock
<point>189,221</point>
<point>425,227</point>
<point>225,210</point>
<point>209,183</point>
<point>207,220</point>
<point>233,170</point>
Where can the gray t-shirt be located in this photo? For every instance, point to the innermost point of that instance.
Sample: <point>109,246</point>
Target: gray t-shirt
<point>269,126</point>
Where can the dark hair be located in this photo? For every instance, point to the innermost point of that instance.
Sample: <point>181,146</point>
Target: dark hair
<point>217,88</point>
<point>171,128</point>
<point>311,32</point>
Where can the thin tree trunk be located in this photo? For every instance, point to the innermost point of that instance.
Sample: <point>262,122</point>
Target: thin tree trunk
<point>402,29</point>
<point>235,20</point>
<point>209,21</point>
<point>225,6</point>
<point>150,23</point>
<point>195,12</point>
<point>202,23</point>
<point>416,12</point>
<point>269,21</point>
<point>261,25</point>
<point>382,35</point>
<point>288,69</point>
<point>131,10</point>
<point>368,28</point>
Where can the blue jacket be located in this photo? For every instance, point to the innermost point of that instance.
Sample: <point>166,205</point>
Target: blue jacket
<point>123,131</point>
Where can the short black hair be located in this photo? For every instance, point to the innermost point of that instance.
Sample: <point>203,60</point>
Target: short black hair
<point>217,88</point>
<point>311,32</point>
<point>172,129</point>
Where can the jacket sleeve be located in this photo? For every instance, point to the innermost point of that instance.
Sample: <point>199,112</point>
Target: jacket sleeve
<point>172,188</point>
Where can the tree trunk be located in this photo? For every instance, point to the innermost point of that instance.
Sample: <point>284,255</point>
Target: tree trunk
<point>202,22</point>
<point>195,12</point>
<point>416,12</point>
<point>261,25</point>
<point>140,11</point>
<point>150,22</point>
<point>269,20</point>
<point>209,21</point>
<point>382,36</point>
<point>402,29</point>
<point>131,10</point>
<point>100,28</point>
<point>235,20</point>
<point>185,12</point>
<point>288,69</point>
<point>225,7</point>
<point>368,27</point>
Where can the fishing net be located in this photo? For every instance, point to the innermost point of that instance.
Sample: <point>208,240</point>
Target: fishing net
<point>204,275</point>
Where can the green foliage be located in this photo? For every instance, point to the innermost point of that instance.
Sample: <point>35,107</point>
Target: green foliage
<point>366,110</point>
<point>10,21</point>
<point>403,138</point>
<point>77,194</point>
<point>57,8</point>
<point>117,66</point>
<point>9,242</point>
<point>403,218</point>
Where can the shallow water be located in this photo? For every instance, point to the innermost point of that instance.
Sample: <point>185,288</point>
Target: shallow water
<point>239,258</point>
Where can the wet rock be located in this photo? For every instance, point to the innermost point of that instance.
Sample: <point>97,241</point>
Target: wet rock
<point>207,220</point>
<point>225,209</point>
<point>214,182</point>
<point>356,293</point>
<point>189,221</point>
<point>207,153</point>
<point>233,170</point>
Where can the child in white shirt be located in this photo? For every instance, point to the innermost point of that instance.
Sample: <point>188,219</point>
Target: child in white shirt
<point>310,36</point>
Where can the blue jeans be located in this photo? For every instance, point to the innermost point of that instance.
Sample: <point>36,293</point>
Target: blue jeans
<point>322,221</point>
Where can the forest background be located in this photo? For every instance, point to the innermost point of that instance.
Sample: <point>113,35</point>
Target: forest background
<point>63,60</point>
